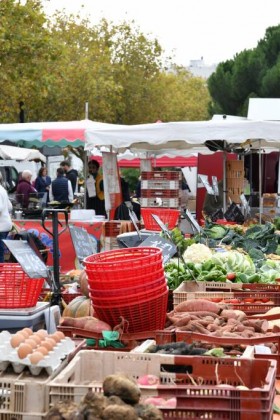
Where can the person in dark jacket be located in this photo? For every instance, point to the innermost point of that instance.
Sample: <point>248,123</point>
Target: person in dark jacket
<point>61,188</point>
<point>43,182</point>
<point>70,173</point>
<point>25,190</point>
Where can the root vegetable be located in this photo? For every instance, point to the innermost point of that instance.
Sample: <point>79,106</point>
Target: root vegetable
<point>148,412</point>
<point>122,387</point>
<point>119,412</point>
<point>231,313</point>
<point>195,305</point>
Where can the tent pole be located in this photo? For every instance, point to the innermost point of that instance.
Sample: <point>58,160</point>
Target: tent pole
<point>85,178</point>
<point>224,182</point>
<point>260,184</point>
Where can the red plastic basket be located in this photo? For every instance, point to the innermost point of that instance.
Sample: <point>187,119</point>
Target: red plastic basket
<point>112,289</point>
<point>17,289</point>
<point>168,216</point>
<point>112,279</point>
<point>127,298</point>
<point>145,315</point>
<point>125,258</point>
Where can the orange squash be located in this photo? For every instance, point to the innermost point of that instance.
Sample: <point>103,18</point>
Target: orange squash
<point>83,282</point>
<point>79,307</point>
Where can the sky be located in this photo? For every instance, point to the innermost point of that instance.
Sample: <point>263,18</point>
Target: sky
<point>215,30</point>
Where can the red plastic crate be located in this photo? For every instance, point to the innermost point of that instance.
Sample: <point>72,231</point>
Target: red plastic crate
<point>125,258</point>
<point>160,184</point>
<point>17,289</point>
<point>148,283</point>
<point>160,193</point>
<point>123,278</point>
<point>162,175</point>
<point>126,298</point>
<point>203,401</point>
<point>169,217</point>
<point>190,337</point>
<point>145,315</point>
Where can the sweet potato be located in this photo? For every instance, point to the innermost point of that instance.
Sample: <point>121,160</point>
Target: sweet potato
<point>195,305</point>
<point>233,313</point>
<point>88,323</point>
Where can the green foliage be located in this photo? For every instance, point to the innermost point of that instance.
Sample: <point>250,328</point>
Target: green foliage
<point>251,73</point>
<point>131,175</point>
<point>55,65</point>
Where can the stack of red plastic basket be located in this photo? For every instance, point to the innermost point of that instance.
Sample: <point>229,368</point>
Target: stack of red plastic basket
<point>129,283</point>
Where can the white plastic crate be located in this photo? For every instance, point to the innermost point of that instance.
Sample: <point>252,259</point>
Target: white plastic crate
<point>23,396</point>
<point>160,202</point>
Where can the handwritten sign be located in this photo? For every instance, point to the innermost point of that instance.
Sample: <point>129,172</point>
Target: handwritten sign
<point>167,247</point>
<point>31,264</point>
<point>82,242</point>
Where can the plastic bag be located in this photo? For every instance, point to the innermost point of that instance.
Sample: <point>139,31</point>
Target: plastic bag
<point>234,214</point>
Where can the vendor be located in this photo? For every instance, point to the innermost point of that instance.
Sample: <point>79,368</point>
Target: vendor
<point>95,198</point>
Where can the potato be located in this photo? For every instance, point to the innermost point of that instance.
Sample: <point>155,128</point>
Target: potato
<point>123,387</point>
<point>119,412</point>
<point>148,412</point>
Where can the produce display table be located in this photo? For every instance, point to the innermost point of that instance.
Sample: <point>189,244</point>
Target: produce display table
<point>68,259</point>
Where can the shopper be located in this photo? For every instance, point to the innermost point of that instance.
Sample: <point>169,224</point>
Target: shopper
<point>70,173</point>
<point>25,190</point>
<point>95,199</point>
<point>5,217</point>
<point>42,183</point>
<point>61,188</point>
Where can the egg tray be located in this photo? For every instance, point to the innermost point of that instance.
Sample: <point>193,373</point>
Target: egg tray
<point>50,363</point>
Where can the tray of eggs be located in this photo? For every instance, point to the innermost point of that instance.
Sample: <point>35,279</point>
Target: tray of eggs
<point>35,350</point>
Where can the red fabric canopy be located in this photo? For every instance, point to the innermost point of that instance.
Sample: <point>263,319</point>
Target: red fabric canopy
<point>164,161</point>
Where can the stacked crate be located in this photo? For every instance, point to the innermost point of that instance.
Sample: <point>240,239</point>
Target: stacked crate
<point>235,180</point>
<point>161,189</point>
<point>111,231</point>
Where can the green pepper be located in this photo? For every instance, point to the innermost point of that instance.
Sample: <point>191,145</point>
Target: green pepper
<point>255,278</point>
<point>241,278</point>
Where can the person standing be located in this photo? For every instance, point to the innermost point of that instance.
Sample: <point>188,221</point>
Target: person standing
<point>43,182</point>
<point>25,190</point>
<point>61,188</point>
<point>5,217</point>
<point>95,199</point>
<point>71,174</point>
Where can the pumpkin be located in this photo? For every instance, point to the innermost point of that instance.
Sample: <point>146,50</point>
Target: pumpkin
<point>79,307</point>
<point>83,282</point>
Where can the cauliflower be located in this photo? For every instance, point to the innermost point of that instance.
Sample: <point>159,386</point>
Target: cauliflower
<point>197,253</point>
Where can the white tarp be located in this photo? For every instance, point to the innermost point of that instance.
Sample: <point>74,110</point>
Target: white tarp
<point>19,154</point>
<point>189,135</point>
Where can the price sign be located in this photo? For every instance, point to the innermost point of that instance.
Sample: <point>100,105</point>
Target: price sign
<point>31,264</point>
<point>167,247</point>
<point>82,242</point>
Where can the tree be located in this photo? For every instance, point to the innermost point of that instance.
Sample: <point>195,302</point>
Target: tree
<point>252,73</point>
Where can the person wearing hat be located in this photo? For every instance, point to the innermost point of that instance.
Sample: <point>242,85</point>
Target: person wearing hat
<point>95,199</point>
<point>6,223</point>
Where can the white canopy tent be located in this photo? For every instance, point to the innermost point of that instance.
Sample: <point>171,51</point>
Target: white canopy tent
<point>20,154</point>
<point>191,136</point>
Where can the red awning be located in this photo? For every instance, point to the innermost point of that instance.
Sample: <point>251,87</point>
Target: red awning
<point>163,162</point>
